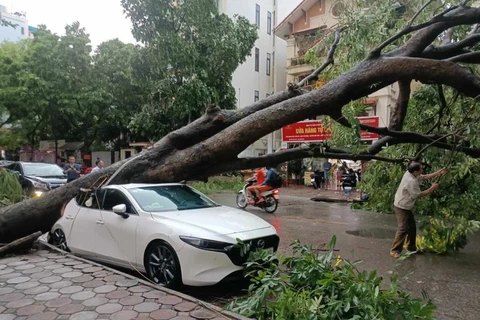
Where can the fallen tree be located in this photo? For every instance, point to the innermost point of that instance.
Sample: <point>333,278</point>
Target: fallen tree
<point>210,144</point>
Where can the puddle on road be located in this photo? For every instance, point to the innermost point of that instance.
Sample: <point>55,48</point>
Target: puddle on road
<point>377,233</point>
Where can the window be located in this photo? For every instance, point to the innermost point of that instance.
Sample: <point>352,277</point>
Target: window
<point>269,22</point>
<point>257,96</point>
<point>170,198</point>
<point>115,197</point>
<point>22,30</point>
<point>268,63</point>
<point>257,16</point>
<point>15,167</point>
<point>257,59</point>
<point>96,199</point>
<point>43,170</point>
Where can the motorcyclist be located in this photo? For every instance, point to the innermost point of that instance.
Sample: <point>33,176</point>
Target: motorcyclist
<point>265,186</point>
<point>260,178</point>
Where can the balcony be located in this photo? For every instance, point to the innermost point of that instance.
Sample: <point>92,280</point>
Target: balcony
<point>298,66</point>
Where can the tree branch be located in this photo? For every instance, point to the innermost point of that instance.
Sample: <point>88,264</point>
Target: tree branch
<point>413,137</point>
<point>409,28</point>
<point>470,57</point>
<point>216,119</point>
<point>451,49</point>
<point>397,118</point>
<point>443,106</point>
<point>330,60</point>
<point>422,39</point>
<point>299,153</point>
<point>419,153</point>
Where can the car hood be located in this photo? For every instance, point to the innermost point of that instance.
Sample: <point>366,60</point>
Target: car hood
<point>222,220</point>
<point>48,180</point>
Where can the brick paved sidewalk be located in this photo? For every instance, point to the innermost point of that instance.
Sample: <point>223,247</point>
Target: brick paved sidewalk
<point>49,285</point>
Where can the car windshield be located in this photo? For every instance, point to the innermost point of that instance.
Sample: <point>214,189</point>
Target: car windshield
<point>170,198</point>
<point>42,170</point>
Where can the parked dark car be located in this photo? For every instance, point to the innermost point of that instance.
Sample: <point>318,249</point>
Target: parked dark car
<point>37,178</point>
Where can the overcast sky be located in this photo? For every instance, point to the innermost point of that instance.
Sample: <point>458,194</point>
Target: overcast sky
<point>103,19</point>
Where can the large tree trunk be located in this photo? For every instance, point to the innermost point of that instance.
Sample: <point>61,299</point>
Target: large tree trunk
<point>210,144</point>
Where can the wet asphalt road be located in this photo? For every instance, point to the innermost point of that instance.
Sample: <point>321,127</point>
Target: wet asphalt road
<point>452,281</point>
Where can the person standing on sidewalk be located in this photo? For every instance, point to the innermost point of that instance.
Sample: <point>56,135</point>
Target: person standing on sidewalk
<point>326,171</point>
<point>99,165</point>
<point>407,193</point>
<point>72,170</point>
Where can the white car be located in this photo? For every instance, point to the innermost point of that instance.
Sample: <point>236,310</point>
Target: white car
<point>170,231</point>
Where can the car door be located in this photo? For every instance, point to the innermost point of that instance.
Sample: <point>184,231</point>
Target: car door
<point>116,242</point>
<point>87,223</point>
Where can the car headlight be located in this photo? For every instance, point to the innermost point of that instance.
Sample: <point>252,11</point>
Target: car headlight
<point>38,193</point>
<point>40,185</point>
<point>206,244</point>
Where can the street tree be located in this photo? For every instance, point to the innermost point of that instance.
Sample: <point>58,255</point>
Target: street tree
<point>211,144</point>
<point>190,53</point>
<point>113,71</point>
<point>13,77</point>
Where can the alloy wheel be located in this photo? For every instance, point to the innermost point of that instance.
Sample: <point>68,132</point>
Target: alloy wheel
<point>58,239</point>
<point>162,265</point>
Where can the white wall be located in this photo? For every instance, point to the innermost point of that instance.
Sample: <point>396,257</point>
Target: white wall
<point>245,79</point>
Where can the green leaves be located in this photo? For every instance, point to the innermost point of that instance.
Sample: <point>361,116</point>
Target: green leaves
<point>194,51</point>
<point>10,189</point>
<point>450,214</point>
<point>308,285</point>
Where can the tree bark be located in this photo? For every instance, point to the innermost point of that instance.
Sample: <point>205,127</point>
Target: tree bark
<point>211,144</point>
<point>19,243</point>
<point>400,111</point>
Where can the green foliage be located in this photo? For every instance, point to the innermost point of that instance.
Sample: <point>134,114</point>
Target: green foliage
<point>219,184</point>
<point>10,189</point>
<point>55,87</point>
<point>373,22</point>
<point>452,212</point>
<point>308,285</point>
<point>194,51</point>
<point>11,139</point>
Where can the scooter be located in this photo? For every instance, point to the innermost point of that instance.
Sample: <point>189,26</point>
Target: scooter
<point>269,205</point>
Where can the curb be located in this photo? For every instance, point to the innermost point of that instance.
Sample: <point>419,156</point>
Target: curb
<point>221,312</point>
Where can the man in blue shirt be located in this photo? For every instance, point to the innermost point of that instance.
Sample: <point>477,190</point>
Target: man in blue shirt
<point>266,185</point>
<point>72,170</point>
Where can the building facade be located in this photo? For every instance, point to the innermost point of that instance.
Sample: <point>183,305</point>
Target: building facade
<point>263,73</point>
<point>17,27</point>
<point>301,30</point>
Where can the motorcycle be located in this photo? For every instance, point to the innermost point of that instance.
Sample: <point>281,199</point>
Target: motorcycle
<point>269,205</point>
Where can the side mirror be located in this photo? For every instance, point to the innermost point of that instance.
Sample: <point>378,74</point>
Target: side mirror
<point>121,210</point>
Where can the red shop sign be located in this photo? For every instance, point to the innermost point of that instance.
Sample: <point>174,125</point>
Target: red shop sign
<point>316,131</point>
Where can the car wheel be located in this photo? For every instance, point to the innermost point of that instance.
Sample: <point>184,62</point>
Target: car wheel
<point>241,200</point>
<point>58,239</point>
<point>271,204</point>
<point>162,265</point>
